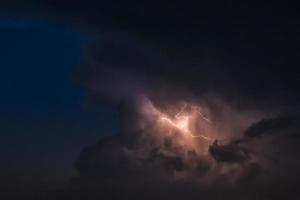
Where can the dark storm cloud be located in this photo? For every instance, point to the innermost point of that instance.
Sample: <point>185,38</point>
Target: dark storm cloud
<point>247,73</point>
<point>168,53</point>
<point>268,126</point>
<point>117,65</point>
<point>219,46</point>
<point>110,165</point>
<point>282,129</point>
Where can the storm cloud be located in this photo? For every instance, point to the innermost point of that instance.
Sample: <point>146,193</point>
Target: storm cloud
<point>147,60</point>
<point>254,156</point>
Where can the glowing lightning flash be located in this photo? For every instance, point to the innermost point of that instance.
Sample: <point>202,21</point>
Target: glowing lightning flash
<point>181,122</point>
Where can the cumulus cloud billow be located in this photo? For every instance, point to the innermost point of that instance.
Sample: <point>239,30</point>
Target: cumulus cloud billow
<point>178,138</point>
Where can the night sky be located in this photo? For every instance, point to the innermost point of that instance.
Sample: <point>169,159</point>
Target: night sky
<point>44,120</point>
<point>84,85</point>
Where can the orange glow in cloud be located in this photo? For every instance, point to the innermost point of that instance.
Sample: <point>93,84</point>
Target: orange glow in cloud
<point>182,121</point>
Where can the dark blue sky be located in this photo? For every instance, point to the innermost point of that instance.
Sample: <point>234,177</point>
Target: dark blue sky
<point>42,113</point>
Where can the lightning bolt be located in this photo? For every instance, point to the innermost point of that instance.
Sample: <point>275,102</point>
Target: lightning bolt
<point>181,122</point>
